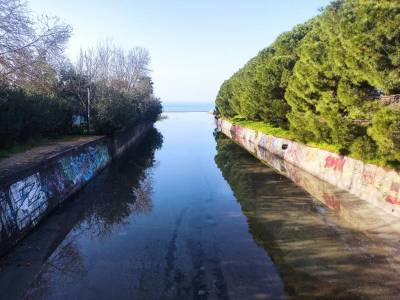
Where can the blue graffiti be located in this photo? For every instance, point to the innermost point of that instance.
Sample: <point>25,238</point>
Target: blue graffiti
<point>82,167</point>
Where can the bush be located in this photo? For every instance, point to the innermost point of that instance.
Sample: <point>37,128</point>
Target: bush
<point>24,117</point>
<point>117,111</point>
<point>385,131</point>
<point>114,112</point>
<point>28,117</point>
<point>364,147</point>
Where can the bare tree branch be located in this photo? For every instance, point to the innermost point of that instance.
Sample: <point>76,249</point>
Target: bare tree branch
<point>25,44</point>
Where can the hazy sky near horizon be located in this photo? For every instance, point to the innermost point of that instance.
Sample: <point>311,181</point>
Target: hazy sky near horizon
<point>194,45</point>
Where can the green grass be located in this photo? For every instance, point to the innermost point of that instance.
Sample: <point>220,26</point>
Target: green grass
<point>263,127</point>
<point>279,132</point>
<point>287,134</point>
<point>19,148</point>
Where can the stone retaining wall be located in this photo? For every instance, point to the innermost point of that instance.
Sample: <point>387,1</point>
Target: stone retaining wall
<point>27,197</point>
<point>377,185</point>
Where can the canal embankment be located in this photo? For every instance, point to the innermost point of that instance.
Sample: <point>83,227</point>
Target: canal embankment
<point>34,183</point>
<point>376,185</point>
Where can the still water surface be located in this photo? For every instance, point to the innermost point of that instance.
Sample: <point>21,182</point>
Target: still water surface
<point>191,215</point>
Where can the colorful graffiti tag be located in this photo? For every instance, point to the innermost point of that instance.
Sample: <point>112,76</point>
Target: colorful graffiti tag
<point>53,182</point>
<point>82,167</point>
<point>369,182</point>
<point>294,153</point>
<point>394,197</point>
<point>28,200</point>
<point>7,220</point>
<point>335,163</point>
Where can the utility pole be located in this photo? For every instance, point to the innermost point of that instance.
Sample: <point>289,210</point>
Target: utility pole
<point>88,109</point>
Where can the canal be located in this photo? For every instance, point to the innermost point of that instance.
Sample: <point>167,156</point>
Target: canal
<point>191,215</point>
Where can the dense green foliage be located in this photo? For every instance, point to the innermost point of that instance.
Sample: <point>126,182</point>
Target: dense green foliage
<point>116,110</point>
<point>24,117</point>
<point>43,94</point>
<point>385,130</point>
<point>323,80</point>
<point>257,90</point>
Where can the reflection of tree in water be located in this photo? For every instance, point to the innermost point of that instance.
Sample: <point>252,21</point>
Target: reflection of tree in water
<point>124,189</point>
<point>315,259</point>
<point>232,164</point>
<point>142,196</point>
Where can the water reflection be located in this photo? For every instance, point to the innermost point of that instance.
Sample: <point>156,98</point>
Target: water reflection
<point>53,250</point>
<point>169,226</point>
<point>316,252</point>
<point>123,190</point>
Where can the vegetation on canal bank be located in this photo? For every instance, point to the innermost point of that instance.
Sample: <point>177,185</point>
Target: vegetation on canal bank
<point>44,95</point>
<point>279,132</point>
<point>330,82</point>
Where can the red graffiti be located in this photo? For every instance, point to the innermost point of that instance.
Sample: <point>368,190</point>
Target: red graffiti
<point>335,163</point>
<point>332,202</point>
<point>394,199</point>
<point>368,178</point>
<point>237,133</point>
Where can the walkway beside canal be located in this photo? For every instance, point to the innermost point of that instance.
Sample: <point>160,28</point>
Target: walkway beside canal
<point>19,162</point>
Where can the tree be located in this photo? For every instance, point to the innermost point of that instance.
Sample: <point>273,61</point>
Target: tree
<point>325,79</point>
<point>349,58</point>
<point>27,45</point>
<point>120,86</point>
<point>257,90</point>
<point>385,130</point>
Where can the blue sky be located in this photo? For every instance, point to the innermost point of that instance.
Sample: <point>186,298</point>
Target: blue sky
<point>194,45</point>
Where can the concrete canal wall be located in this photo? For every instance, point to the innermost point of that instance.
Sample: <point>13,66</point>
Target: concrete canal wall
<point>376,185</point>
<point>28,196</point>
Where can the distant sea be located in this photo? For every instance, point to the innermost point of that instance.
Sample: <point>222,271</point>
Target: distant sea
<point>188,107</point>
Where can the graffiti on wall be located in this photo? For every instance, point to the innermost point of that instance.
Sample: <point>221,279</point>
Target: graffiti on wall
<point>53,182</point>
<point>368,178</point>
<point>83,166</point>
<point>276,144</point>
<point>294,153</point>
<point>28,199</point>
<point>335,163</point>
<point>262,141</point>
<point>6,215</point>
<point>394,197</point>
<point>366,181</point>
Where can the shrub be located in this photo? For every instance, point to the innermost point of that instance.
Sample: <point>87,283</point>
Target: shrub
<point>116,111</point>
<point>24,117</point>
<point>385,131</point>
<point>113,113</point>
<point>364,147</point>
